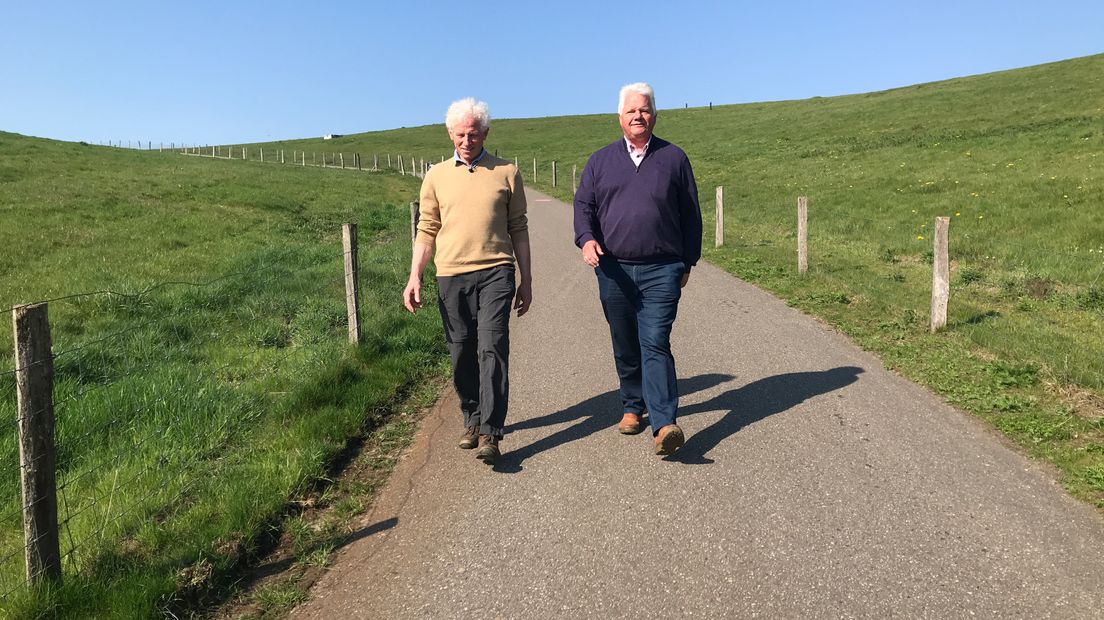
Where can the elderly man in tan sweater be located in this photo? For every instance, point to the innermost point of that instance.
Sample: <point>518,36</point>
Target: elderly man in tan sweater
<point>473,221</point>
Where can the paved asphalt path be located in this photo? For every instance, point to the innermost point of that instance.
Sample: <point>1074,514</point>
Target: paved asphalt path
<point>813,484</point>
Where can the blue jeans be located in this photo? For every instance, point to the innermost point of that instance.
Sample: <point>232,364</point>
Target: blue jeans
<point>640,303</point>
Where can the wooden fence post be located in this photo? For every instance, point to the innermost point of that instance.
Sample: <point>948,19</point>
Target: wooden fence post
<point>941,275</point>
<point>342,161</point>
<point>534,170</point>
<point>802,234</point>
<point>574,184</point>
<point>375,161</point>
<point>553,173</point>
<point>34,379</point>
<point>389,161</point>
<point>718,236</point>
<point>413,221</point>
<point>262,153</point>
<point>413,170</point>
<point>352,286</point>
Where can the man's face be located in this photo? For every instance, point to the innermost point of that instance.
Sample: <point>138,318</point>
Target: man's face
<point>638,119</point>
<point>468,138</point>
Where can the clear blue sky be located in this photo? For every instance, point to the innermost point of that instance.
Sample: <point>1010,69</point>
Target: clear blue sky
<point>226,72</point>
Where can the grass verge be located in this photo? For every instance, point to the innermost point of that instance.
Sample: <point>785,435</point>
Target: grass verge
<point>202,375</point>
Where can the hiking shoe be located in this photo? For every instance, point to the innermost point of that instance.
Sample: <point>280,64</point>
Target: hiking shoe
<point>668,439</point>
<point>630,424</point>
<point>488,449</point>
<point>469,439</point>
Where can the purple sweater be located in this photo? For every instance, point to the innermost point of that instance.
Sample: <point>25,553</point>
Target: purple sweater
<point>648,214</point>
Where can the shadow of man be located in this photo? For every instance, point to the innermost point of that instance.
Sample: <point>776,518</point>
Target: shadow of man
<point>596,413</point>
<point>755,401</point>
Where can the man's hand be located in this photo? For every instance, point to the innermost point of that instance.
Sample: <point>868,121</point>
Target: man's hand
<point>685,279</point>
<point>591,252</point>
<point>523,298</point>
<point>412,295</point>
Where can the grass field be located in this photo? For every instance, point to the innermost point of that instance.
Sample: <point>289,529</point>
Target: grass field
<point>1013,158</point>
<point>203,377</point>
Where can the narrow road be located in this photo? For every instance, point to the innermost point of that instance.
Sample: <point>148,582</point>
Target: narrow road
<point>813,484</point>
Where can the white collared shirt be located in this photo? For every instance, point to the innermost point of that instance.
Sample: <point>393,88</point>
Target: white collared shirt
<point>635,155</point>
<point>460,160</point>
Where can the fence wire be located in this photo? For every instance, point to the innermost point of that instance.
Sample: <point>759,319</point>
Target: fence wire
<point>84,370</point>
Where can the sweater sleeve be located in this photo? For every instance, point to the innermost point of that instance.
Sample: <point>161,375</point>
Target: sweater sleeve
<point>690,216</point>
<point>586,205</point>
<point>517,221</point>
<point>429,213</point>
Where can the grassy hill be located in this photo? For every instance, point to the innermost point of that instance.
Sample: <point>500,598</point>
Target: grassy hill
<point>202,373</point>
<point>1013,158</point>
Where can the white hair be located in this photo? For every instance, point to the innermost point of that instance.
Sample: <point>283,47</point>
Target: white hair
<point>636,88</point>
<point>465,108</point>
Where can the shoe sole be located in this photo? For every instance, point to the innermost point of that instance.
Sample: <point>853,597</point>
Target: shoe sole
<point>672,441</point>
<point>465,445</point>
<point>487,456</point>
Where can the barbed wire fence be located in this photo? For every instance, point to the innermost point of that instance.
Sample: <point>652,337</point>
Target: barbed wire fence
<point>99,432</point>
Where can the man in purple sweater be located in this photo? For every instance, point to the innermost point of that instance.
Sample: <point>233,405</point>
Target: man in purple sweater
<point>638,223</point>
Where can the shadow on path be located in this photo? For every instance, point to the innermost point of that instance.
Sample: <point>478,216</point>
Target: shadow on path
<point>755,401</point>
<point>596,413</point>
<point>268,569</point>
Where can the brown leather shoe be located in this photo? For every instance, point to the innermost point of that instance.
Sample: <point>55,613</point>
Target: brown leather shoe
<point>469,439</point>
<point>668,439</point>
<point>488,449</point>
<point>630,424</point>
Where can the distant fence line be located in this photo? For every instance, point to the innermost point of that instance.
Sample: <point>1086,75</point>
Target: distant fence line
<point>417,166</point>
<point>940,264</point>
<point>401,163</point>
<point>940,278</point>
<point>44,517</point>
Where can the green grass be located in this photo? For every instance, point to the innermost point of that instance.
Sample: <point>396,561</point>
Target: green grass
<point>213,382</point>
<point>1013,158</point>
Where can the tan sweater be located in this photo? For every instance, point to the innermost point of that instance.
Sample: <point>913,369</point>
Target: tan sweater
<point>472,219</point>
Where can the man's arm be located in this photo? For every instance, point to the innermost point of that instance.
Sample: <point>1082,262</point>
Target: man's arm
<point>429,222</point>
<point>690,220</point>
<point>586,209</point>
<point>518,228</point>
<point>412,294</point>
<point>523,299</point>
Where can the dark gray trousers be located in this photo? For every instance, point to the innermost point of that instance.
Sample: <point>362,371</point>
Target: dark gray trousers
<point>475,308</point>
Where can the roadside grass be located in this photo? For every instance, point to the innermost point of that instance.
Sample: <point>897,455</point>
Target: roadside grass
<point>1013,158</point>
<point>329,517</point>
<point>202,374</point>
